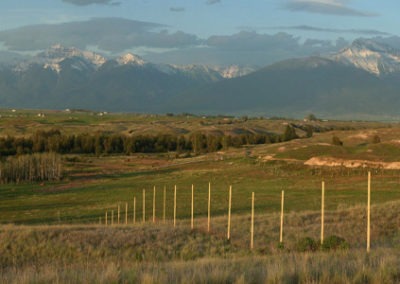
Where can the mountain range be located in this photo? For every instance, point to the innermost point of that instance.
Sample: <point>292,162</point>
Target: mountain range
<point>359,81</point>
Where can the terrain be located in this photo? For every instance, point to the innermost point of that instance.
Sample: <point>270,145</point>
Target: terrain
<point>55,230</point>
<point>360,81</point>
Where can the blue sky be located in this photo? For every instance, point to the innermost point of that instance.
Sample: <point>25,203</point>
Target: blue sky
<point>206,18</point>
<point>200,23</point>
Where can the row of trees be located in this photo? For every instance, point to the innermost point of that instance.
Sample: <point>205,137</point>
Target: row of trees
<point>35,167</point>
<point>101,143</point>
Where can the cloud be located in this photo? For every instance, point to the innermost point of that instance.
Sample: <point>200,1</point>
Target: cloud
<point>246,48</point>
<point>177,9</point>
<point>212,2</point>
<point>328,30</point>
<point>157,43</point>
<point>108,34</point>
<point>330,7</point>
<point>249,41</point>
<point>90,2</point>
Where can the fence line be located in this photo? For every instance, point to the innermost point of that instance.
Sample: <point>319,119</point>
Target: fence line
<point>228,234</point>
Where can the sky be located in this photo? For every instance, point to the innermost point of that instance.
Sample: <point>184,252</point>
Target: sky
<point>223,32</point>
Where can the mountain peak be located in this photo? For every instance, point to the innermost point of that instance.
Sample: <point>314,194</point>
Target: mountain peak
<point>130,58</point>
<point>371,56</point>
<point>57,53</point>
<point>369,44</point>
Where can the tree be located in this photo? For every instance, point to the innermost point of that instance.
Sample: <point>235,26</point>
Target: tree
<point>309,131</point>
<point>336,141</point>
<point>289,134</point>
<point>311,117</point>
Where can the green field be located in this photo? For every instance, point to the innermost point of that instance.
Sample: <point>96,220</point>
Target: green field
<point>40,214</point>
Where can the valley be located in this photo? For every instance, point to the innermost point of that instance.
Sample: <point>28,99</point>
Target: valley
<point>56,229</point>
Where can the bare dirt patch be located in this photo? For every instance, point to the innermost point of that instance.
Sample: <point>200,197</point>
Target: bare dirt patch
<point>335,162</point>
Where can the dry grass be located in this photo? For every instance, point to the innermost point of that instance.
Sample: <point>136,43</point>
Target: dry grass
<point>340,267</point>
<point>161,254</point>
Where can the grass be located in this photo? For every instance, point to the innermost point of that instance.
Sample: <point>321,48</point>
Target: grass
<point>49,232</point>
<point>100,184</point>
<point>343,267</point>
<point>158,253</point>
<point>26,122</point>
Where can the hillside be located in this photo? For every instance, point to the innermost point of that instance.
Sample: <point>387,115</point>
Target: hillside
<point>300,86</point>
<point>359,82</point>
<point>56,231</point>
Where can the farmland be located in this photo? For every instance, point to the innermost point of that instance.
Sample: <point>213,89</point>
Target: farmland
<point>54,224</point>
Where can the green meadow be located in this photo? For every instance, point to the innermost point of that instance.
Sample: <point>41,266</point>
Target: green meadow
<point>56,232</point>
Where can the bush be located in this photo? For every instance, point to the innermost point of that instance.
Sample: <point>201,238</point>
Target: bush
<point>334,243</point>
<point>306,244</point>
<point>311,117</point>
<point>336,141</point>
<point>375,139</point>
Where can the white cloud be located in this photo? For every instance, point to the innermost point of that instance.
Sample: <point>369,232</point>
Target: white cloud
<point>212,2</point>
<point>90,2</point>
<point>332,7</point>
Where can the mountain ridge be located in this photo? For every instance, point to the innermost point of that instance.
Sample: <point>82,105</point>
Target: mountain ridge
<point>361,80</point>
<point>374,57</point>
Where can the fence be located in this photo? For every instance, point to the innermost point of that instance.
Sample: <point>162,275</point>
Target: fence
<point>109,214</point>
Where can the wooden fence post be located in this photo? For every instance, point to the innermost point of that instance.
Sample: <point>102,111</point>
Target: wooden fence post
<point>192,210</point>
<point>209,207</point>
<point>126,213</point>
<point>144,206</point>
<point>106,218</point>
<point>134,210</point>
<point>118,213</point>
<point>175,206</point>
<point>112,217</point>
<point>164,203</point>
<point>369,214</point>
<point>229,213</point>
<point>252,222</point>
<point>282,207</point>
<point>322,212</point>
<point>154,204</point>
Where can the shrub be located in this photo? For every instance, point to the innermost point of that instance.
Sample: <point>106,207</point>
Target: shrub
<point>336,141</point>
<point>334,242</point>
<point>375,139</point>
<point>311,117</point>
<point>289,134</point>
<point>306,244</point>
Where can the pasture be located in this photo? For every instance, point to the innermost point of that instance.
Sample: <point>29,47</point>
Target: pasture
<point>46,226</point>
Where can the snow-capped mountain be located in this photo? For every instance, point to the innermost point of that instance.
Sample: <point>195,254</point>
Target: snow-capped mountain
<point>132,59</point>
<point>54,56</point>
<point>234,71</point>
<point>376,58</point>
<point>66,77</point>
<point>58,57</point>
<point>361,80</point>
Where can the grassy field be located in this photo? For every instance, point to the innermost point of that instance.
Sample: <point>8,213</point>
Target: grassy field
<point>149,253</point>
<point>50,232</point>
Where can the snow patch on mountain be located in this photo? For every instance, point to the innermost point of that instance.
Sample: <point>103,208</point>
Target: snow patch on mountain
<point>371,56</point>
<point>234,71</point>
<point>130,58</point>
<point>55,55</point>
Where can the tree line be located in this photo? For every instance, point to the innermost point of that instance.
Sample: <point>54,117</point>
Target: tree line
<point>35,167</point>
<point>102,143</point>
